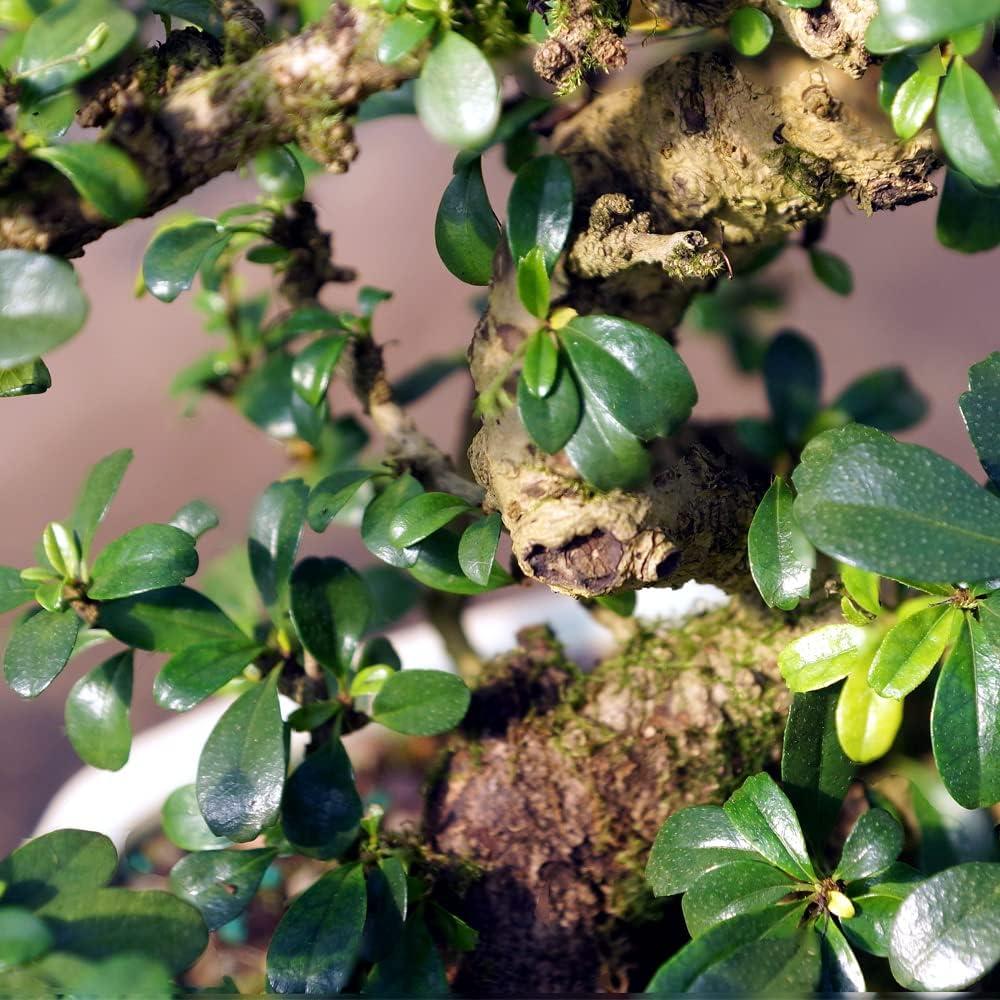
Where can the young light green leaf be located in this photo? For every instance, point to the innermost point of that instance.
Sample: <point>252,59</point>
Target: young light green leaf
<point>918,23</point>
<point>466,232</point>
<point>818,658</point>
<point>980,406</point>
<point>147,558</point>
<point>946,934</point>
<point>241,771</point>
<point>175,254</point>
<point>41,305</point>
<point>184,825</point>
<point>541,363</point>
<point>13,590</point>
<point>220,884</point>
<point>402,35</point>
<point>321,809</point>
<point>832,270</point>
<point>375,524</point>
<point>477,548</point>
<point>330,495</point>
<point>29,379</point>
<point>422,515</point>
<point>39,648</point>
<point>781,557</point>
<point>369,680</point>
<point>278,173</point>
<point>275,529</point>
<point>196,518</point>
<point>913,104</point>
<point>313,369</point>
<point>97,714</point>
<point>862,587</point>
<point>315,947</point>
<point>540,209</point>
<point>750,31</point>
<point>457,95</point>
<point>871,847</point>
<point>867,723</point>
<point>551,421</point>
<point>911,649</point>
<point>735,888</point>
<point>421,702</point>
<point>533,287</point>
<point>103,175</point>
<point>198,671</point>
<point>331,609</point>
<point>968,218</point>
<point>968,122</point>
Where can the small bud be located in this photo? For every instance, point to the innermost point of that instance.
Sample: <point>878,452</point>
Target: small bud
<point>97,37</point>
<point>561,316</point>
<point>839,905</point>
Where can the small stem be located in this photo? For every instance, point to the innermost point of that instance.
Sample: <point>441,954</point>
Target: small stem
<point>444,614</point>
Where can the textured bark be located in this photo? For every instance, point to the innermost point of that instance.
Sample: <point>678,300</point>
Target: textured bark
<point>557,789</point>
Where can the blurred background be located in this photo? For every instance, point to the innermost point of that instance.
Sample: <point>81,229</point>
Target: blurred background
<point>914,304</point>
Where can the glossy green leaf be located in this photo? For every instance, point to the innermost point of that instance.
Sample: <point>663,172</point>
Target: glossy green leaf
<point>968,123</point>
<point>41,305</point>
<point>103,175</point>
<point>876,902</point>
<point>533,286</point>
<point>438,567</point>
<point>422,515</point>
<point>313,369</point>
<point>275,529</point>
<point>692,842</point>
<point>885,399</point>
<point>23,937</point>
<point>821,657</point>
<point>377,520</point>
<point>196,518</point>
<point>551,421</point>
<point>917,23</point>
<point>166,620</point>
<point>421,702</point>
<point>241,771</point>
<point>896,509</point>
<point>278,173</point>
<point>815,771</point>
<point>792,377</point>
<point>965,720</point>
<point>97,714</point>
<point>911,649</point>
<point>184,825</point>
<point>466,232</point>
<point>895,71</point>
<point>387,908</point>
<point>913,104</point>
<point>867,723</point>
<point>380,651</point>
<point>175,254</point>
<point>316,945</point>
<point>197,672</point>
<point>735,888</point>
<point>402,35</point>
<point>862,587</point>
<point>414,968</point>
<point>832,270</point>
<point>946,935</point>
<point>605,453</point>
<point>478,547</point>
<point>968,218</point>
<point>148,558</point>
<point>781,557</point>
<point>39,648</point>
<point>871,847</point>
<point>330,495</point>
<point>331,609</point>
<point>96,494</point>
<point>785,964</point>
<point>72,40</point>
<point>541,364</point>
<point>980,406</point>
<point>840,971</point>
<point>13,590</point>
<point>540,209</point>
<point>48,116</point>
<point>29,379</point>
<point>750,31</point>
<point>457,95</point>
<point>220,884</point>
<point>321,808</point>
<point>58,862</point>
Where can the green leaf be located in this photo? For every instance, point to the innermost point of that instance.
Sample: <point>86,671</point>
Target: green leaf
<point>477,548</point>
<point>457,95</point>
<point>533,283</point>
<point>275,529</point>
<point>203,13</point>
<point>767,968</point>
<point>832,270</point>
<point>29,379</point>
<point>412,969</point>
<point>72,40</point>
<point>241,771</point>
<point>551,421</point>
<point>13,590</point>
<point>315,946</point>
<point>781,557</point>
<point>815,771</point>
<point>841,972</point>
<point>220,884</point>
<point>750,31</point>
<point>792,376</point>
<point>917,23</point>
<point>175,254</point>
<point>330,495</point>
<point>402,35</point>
<point>93,922</point>
<point>871,847</point>
<point>862,587</point>
<point>735,888</point>
<point>885,399</point>
<point>764,817</point>
<point>321,809</point>
<point>913,104</point>
<point>196,518</point>
<point>23,937</point>
<point>424,514</point>
<point>313,369</point>
<point>818,658</point>
<point>896,509</point>
<point>437,566</point>
<point>375,525</point>
<point>103,175</point>
<point>124,975</point>
<point>946,935</point>
<point>692,842</point>
<point>198,671</point>
<point>867,723</point>
<point>965,720</point>
<point>41,305</point>
<point>96,494</point>
<point>896,70</point>
<point>541,363</point>
<point>58,862</point>
<point>39,648</point>
<point>147,558</point>
<point>632,372</point>
<point>97,714</point>
<point>980,406</point>
<point>968,218</point>
<point>540,209</point>
<point>421,702</point>
<point>184,825</point>
<point>968,123</point>
<point>48,117</point>
<point>387,906</point>
<point>331,609</point>
<point>166,620</point>
<point>379,651</point>
<point>911,649</point>
<point>279,175</point>
<point>427,377</point>
<point>876,901</point>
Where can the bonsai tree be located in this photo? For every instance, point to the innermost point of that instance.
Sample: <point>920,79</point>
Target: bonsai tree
<point>809,770</point>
